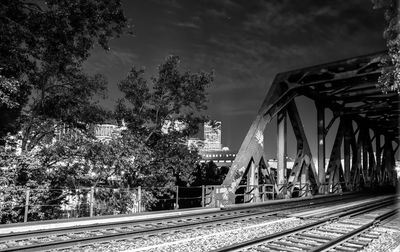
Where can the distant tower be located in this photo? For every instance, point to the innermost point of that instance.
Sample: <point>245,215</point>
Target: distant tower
<point>212,136</point>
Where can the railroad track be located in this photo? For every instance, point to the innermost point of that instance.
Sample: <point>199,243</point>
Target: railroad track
<point>81,236</point>
<point>351,230</point>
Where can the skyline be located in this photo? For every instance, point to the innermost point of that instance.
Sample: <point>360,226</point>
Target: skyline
<point>245,44</point>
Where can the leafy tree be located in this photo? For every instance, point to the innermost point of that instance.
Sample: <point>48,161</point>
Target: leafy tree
<point>209,174</point>
<point>390,78</point>
<point>18,173</point>
<point>43,46</point>
<point>44,92</point>
<point>8,92</point>
<point>11,100</point>
<point>66,106</point>
<point>76,160</point>
<point>162,114</point>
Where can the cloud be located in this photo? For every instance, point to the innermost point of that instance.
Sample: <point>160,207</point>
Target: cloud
<point>101,61</point>
<point>214,13</point>
<point>229,4</point>
<point>124,58</point>
<point>187,25</point>
<point>308,22</point>
<point>283,17</point>
<point>169,3</point>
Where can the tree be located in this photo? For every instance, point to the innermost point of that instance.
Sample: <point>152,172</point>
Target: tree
<point>11,99</point>
<point>210,174</point>
<point>43,46</point>
<point>44,92</point>
<point>390,78</point>
<point>18,173</point>
<point>162,114</point>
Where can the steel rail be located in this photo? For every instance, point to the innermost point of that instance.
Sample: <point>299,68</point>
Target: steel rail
<point>340,239</point>
<point>64,230</point>
<point>146,232</point>
<point>353,212</point>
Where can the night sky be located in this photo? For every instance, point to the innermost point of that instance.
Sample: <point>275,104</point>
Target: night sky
<point>245,43</point>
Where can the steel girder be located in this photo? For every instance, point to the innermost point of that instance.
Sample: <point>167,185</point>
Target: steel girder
<point>348,88</point>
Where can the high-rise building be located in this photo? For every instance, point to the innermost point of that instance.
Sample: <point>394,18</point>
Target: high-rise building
<point>212,136</point>
<point>105,131</point>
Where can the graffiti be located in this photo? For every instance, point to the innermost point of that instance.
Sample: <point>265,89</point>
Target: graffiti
<point>260,138</point>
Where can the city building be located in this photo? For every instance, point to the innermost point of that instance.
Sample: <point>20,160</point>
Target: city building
<point>210,148</point>
<point>219,157</point>
<point>105,132</point>
<point>212,136</point>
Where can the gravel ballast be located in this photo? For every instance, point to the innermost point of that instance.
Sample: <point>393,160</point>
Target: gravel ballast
<point>216,236</point>
<point>387,241</point>
<point>203,239</point>
<point>225,237</point>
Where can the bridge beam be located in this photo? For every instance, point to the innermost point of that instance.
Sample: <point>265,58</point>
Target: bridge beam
<point>282,150</point>
<point>348,131</point>
<point>378,154</point>
<point>334,171</point>
<point>303,170</point>
<point>388,161</point>
<point>252,191</point>
<point>321,141</point>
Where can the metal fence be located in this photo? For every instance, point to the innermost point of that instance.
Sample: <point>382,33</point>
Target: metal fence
<point>24,204</point>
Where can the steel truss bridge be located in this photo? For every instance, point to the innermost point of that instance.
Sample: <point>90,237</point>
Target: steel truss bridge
<point>367,137</point>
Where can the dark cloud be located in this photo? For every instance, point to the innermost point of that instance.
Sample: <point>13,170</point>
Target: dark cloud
<point>187,25</point>
<point>168,4</point>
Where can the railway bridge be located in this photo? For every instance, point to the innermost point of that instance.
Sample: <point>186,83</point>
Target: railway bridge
<point>364,147</point>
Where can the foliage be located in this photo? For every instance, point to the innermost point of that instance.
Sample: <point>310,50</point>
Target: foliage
<point>73,162</point>
<point>209,174</point>
<point>162,114</point>
<point>22,172</point>
<point>12,95</point>
<point>55,36</point>
<point>8,92</point>
<point>43,46</point>
<point>146,154</point>
<point>390,78</point>
<point>172,105</point>
<point>66,106</point>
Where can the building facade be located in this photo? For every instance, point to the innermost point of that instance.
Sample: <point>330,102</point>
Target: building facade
<point>220,158</point>
<point>212,137</point>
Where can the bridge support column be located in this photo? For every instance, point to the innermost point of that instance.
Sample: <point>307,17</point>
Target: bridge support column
<point>365,168</point>
<point>281,153</point>
<point>252,190</point>
<point>378,152</point>
<point>321,143</point>
<point>348,128</point>
<point>334,171</point>
<point>388,162</point>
